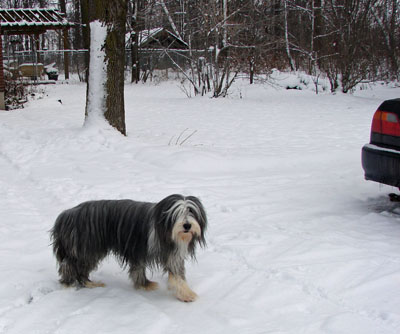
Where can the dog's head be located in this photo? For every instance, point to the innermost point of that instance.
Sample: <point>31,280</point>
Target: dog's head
<point>181,219</point>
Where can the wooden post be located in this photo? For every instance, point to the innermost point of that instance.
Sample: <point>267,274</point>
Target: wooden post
<point>66,54</point>
<point>37,48</point>
<point>2,83</point>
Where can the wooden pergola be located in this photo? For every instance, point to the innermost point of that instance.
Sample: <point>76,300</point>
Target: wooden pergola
<point>28,21</point>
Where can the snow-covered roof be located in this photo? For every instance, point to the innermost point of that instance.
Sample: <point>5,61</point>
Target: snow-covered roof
<point>23,20</point>
<point>148,35</point>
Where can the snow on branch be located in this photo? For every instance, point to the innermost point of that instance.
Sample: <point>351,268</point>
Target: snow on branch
<point>171,21</point>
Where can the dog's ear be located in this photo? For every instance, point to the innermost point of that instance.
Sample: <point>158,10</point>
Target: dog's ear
<point>162,208</point>
<point>162,214</point>
<point>201,217</point>
<point>200,213</point>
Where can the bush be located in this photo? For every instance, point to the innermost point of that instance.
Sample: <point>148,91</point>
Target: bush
<point>15,94</point>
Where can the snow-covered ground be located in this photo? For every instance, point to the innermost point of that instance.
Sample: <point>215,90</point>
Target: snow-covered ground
<point>298,241</point>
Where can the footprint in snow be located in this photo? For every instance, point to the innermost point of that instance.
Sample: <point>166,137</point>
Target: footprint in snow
<point>38,293</point>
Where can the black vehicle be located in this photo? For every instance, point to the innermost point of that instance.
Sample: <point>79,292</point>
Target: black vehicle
<point>381,157</point>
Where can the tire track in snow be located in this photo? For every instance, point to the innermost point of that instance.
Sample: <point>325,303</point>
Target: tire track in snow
<point>242,269</point>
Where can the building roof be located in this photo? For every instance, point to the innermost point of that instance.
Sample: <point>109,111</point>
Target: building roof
<point>160,37</point>
<point>31,21</point>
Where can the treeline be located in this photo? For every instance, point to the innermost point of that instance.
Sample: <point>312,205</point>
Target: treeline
<point>347,41</point>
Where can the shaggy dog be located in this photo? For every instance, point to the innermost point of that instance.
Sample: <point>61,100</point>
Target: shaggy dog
<point>139,234</point>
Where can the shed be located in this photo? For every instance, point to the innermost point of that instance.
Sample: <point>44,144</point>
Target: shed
<point>155,47</point>
<point>27,21</point>
<point>158,38</point>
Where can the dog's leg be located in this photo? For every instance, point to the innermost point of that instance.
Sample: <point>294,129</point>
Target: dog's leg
<point>73,271</point>
<point>179,285</point>
<point>177,282</point>
<point>68,273</point>
<point>140,281</point>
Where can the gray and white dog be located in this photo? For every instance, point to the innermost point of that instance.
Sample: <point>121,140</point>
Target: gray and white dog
<point>140,234</point>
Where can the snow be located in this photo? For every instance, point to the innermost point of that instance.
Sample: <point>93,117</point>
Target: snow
<point>298,241</point>
<point>377,148</point>
<point>98,70</point>
<point>51,68</point>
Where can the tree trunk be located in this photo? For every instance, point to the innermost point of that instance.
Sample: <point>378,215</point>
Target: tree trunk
<point>63,9</point>
<point>77,31</point>
<point>137,26</point>
<point>85,33</point>
<point>112,15</point>
<point>135,77</point>
<point>287,45</point>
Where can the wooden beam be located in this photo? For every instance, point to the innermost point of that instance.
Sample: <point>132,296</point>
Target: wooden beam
<point>24,30</point>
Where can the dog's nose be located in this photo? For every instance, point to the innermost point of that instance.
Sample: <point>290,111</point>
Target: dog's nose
<point>187,226</point>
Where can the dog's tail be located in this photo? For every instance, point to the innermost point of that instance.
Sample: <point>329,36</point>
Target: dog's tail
<point>59,251</point>
<point>55,237</point>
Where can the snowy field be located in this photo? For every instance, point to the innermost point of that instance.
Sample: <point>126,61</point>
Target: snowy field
<point>298,241</point>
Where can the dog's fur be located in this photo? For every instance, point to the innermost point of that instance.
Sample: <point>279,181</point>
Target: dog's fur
<point>139,234</point>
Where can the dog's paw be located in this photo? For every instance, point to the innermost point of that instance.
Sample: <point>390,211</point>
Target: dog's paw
<point>182,290</point>
<point>150,286</point>
<point>186,295</point>
<point>92,285</point>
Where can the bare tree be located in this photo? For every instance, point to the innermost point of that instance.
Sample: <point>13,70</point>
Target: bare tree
<point>111,15</point>
<point>138,24</point>
<point>63,9</point>
<point>386,15</point>
<point>349,41</point>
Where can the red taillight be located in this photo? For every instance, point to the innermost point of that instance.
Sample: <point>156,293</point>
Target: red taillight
<point>386,123</point>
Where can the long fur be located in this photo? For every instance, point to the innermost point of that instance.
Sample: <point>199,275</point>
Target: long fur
<point>139,234</point>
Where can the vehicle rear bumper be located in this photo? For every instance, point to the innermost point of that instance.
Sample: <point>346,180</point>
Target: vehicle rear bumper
<point>381,164</point>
